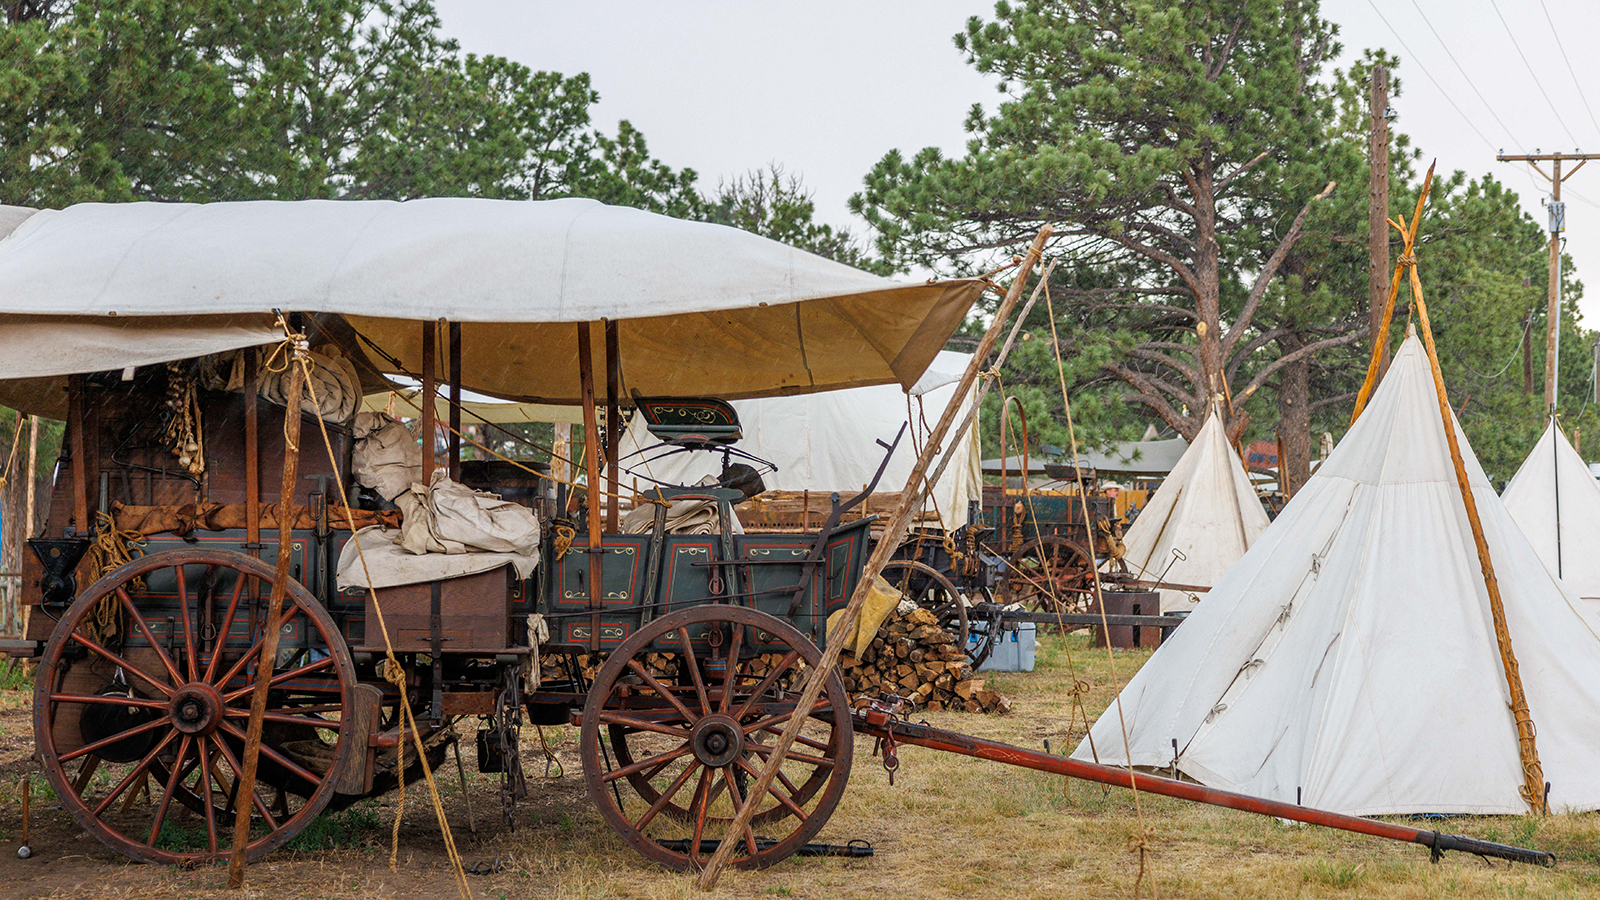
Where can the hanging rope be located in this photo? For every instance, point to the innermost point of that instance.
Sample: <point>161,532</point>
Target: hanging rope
<point>1142,841</point>
<point>395,674</point>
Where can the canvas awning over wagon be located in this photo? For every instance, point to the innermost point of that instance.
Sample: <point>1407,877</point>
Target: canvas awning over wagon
<point>701,309</point>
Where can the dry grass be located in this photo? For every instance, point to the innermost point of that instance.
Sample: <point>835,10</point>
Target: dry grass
<point>950,827</point>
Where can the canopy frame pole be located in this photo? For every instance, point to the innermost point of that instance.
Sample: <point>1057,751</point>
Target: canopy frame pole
<point>910,500</point>
<point>430,363</point>
<point>613,425</point>
<point>252,456</point>
<point>591,465</point>
<point>77,416</point>
<point>1533,787</point>
<point>1380,341</point>
<point>455,401</point>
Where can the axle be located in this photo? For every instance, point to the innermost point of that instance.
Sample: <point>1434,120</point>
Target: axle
<point>880,724</point>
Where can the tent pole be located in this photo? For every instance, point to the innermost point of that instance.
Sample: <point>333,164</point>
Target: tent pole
<point>1555,472</point>
<point>591,465</point>
<point>1380,341</point>
<point>613,425</point>
<point>429,387</point>
<point>1533,788</point>
<point>455,401</point>
<point>910,498</point>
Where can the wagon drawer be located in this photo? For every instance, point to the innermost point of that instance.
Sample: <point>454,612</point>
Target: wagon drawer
<point>475,613</point>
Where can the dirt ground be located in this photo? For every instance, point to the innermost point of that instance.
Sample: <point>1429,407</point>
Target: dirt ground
<point>949,827</point>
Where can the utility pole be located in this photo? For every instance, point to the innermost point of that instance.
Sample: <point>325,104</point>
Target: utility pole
<point>1378,217</point>
<point>1558,224</point>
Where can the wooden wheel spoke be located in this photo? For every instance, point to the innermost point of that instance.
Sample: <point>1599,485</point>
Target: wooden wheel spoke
<point>281,677</point>
<point>702,802</point>
<point>121,663</point>
<point>205,795</point>
<point>275,756</point>
<point>227,625</point>
<point>255,798</point>
<point>802,739</point>
<point>767,723</point>
<point>664,692</point>
<point>614,718</point>
<point>666,795</point>
<point>738,803</point>
<point>731,669</point>
<point>138,772</point>
<point>108,700</point>
<point>289,614</point>
<point>642,764</point>
<point>312,720</point>
<point>783,798</point>
<point>767,682</point>
<point>87,749</point>
<point>188,622</point>
<point>144,629</point>
<point>172,785</point>
<point>694,671</point>
<point>818,761</point>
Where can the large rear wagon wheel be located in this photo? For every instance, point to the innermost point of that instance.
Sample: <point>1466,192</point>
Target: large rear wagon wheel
<point>700,743</point>
<point>143,695</point>
<point>1050,574</point>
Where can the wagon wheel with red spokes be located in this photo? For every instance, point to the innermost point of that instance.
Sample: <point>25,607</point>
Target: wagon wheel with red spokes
<point>143,695</point>
<point>1050,574</point>
<point>668,764</point>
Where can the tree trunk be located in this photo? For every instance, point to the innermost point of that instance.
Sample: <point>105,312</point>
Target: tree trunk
<point>1294,416</point>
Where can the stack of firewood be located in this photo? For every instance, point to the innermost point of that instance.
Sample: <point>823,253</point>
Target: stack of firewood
<point>913,657</point>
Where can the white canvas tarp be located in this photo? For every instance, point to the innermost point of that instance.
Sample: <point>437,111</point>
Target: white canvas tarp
<point>1348,662</point>
<point>1206,510</point>
<point>1556,502</point>
<point>827,441</point>
<point>702,309</point>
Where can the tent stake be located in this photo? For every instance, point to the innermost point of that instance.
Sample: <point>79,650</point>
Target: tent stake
<point>910,498</point>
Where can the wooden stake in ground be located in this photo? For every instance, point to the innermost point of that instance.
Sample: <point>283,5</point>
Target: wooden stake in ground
<point>1532,789</point>
<point>910,499</point>
<point>274,622</point>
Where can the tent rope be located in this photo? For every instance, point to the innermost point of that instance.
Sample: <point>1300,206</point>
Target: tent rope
<point>395,674</point>
<point>1533,786</point>
<point>1142,841</point>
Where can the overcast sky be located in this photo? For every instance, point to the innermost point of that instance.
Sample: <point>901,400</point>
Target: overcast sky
<point>825,87</point>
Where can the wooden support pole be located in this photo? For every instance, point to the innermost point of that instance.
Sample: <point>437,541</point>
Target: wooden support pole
<point>1378,217</point>
<point>455,401</point>
<point>910,499</point>
<point>1374,364</point>
<point>1552,339</point>
<point>1532,789</point>
<point>267,661</point>
<point>613,426</point>
<point>33,476</point>
<point>75,440</point>
<point>430,362</point>
<point>252,455</point>
<point>591,463</point>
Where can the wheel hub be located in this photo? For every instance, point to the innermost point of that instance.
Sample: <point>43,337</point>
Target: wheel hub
<point>196,708</point>
<point>717,741</point>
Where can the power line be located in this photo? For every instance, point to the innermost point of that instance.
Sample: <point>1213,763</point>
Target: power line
<point>1536,82</point>
<point>1418,60</point>
<point>1463,72</point>
<point>1563,49</point>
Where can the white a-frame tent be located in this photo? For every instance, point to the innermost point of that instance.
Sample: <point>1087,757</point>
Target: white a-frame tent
<point>1556,503</point>
<point>1206,510</point>
<point>1349,661</point>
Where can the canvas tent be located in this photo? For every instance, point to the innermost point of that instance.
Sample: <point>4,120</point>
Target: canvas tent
<point>702,309</point>
<point>1349,661</point>
<point>826,442</point>
<point>1556,503</point>
<point>1206,510</point>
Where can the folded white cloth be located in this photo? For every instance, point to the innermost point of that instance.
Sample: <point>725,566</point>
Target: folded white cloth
<point>449,517</point>
<point>391,565</point>
<point>387,457</point>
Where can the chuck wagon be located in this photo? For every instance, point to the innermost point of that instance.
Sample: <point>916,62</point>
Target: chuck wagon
<point>189,469</point>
